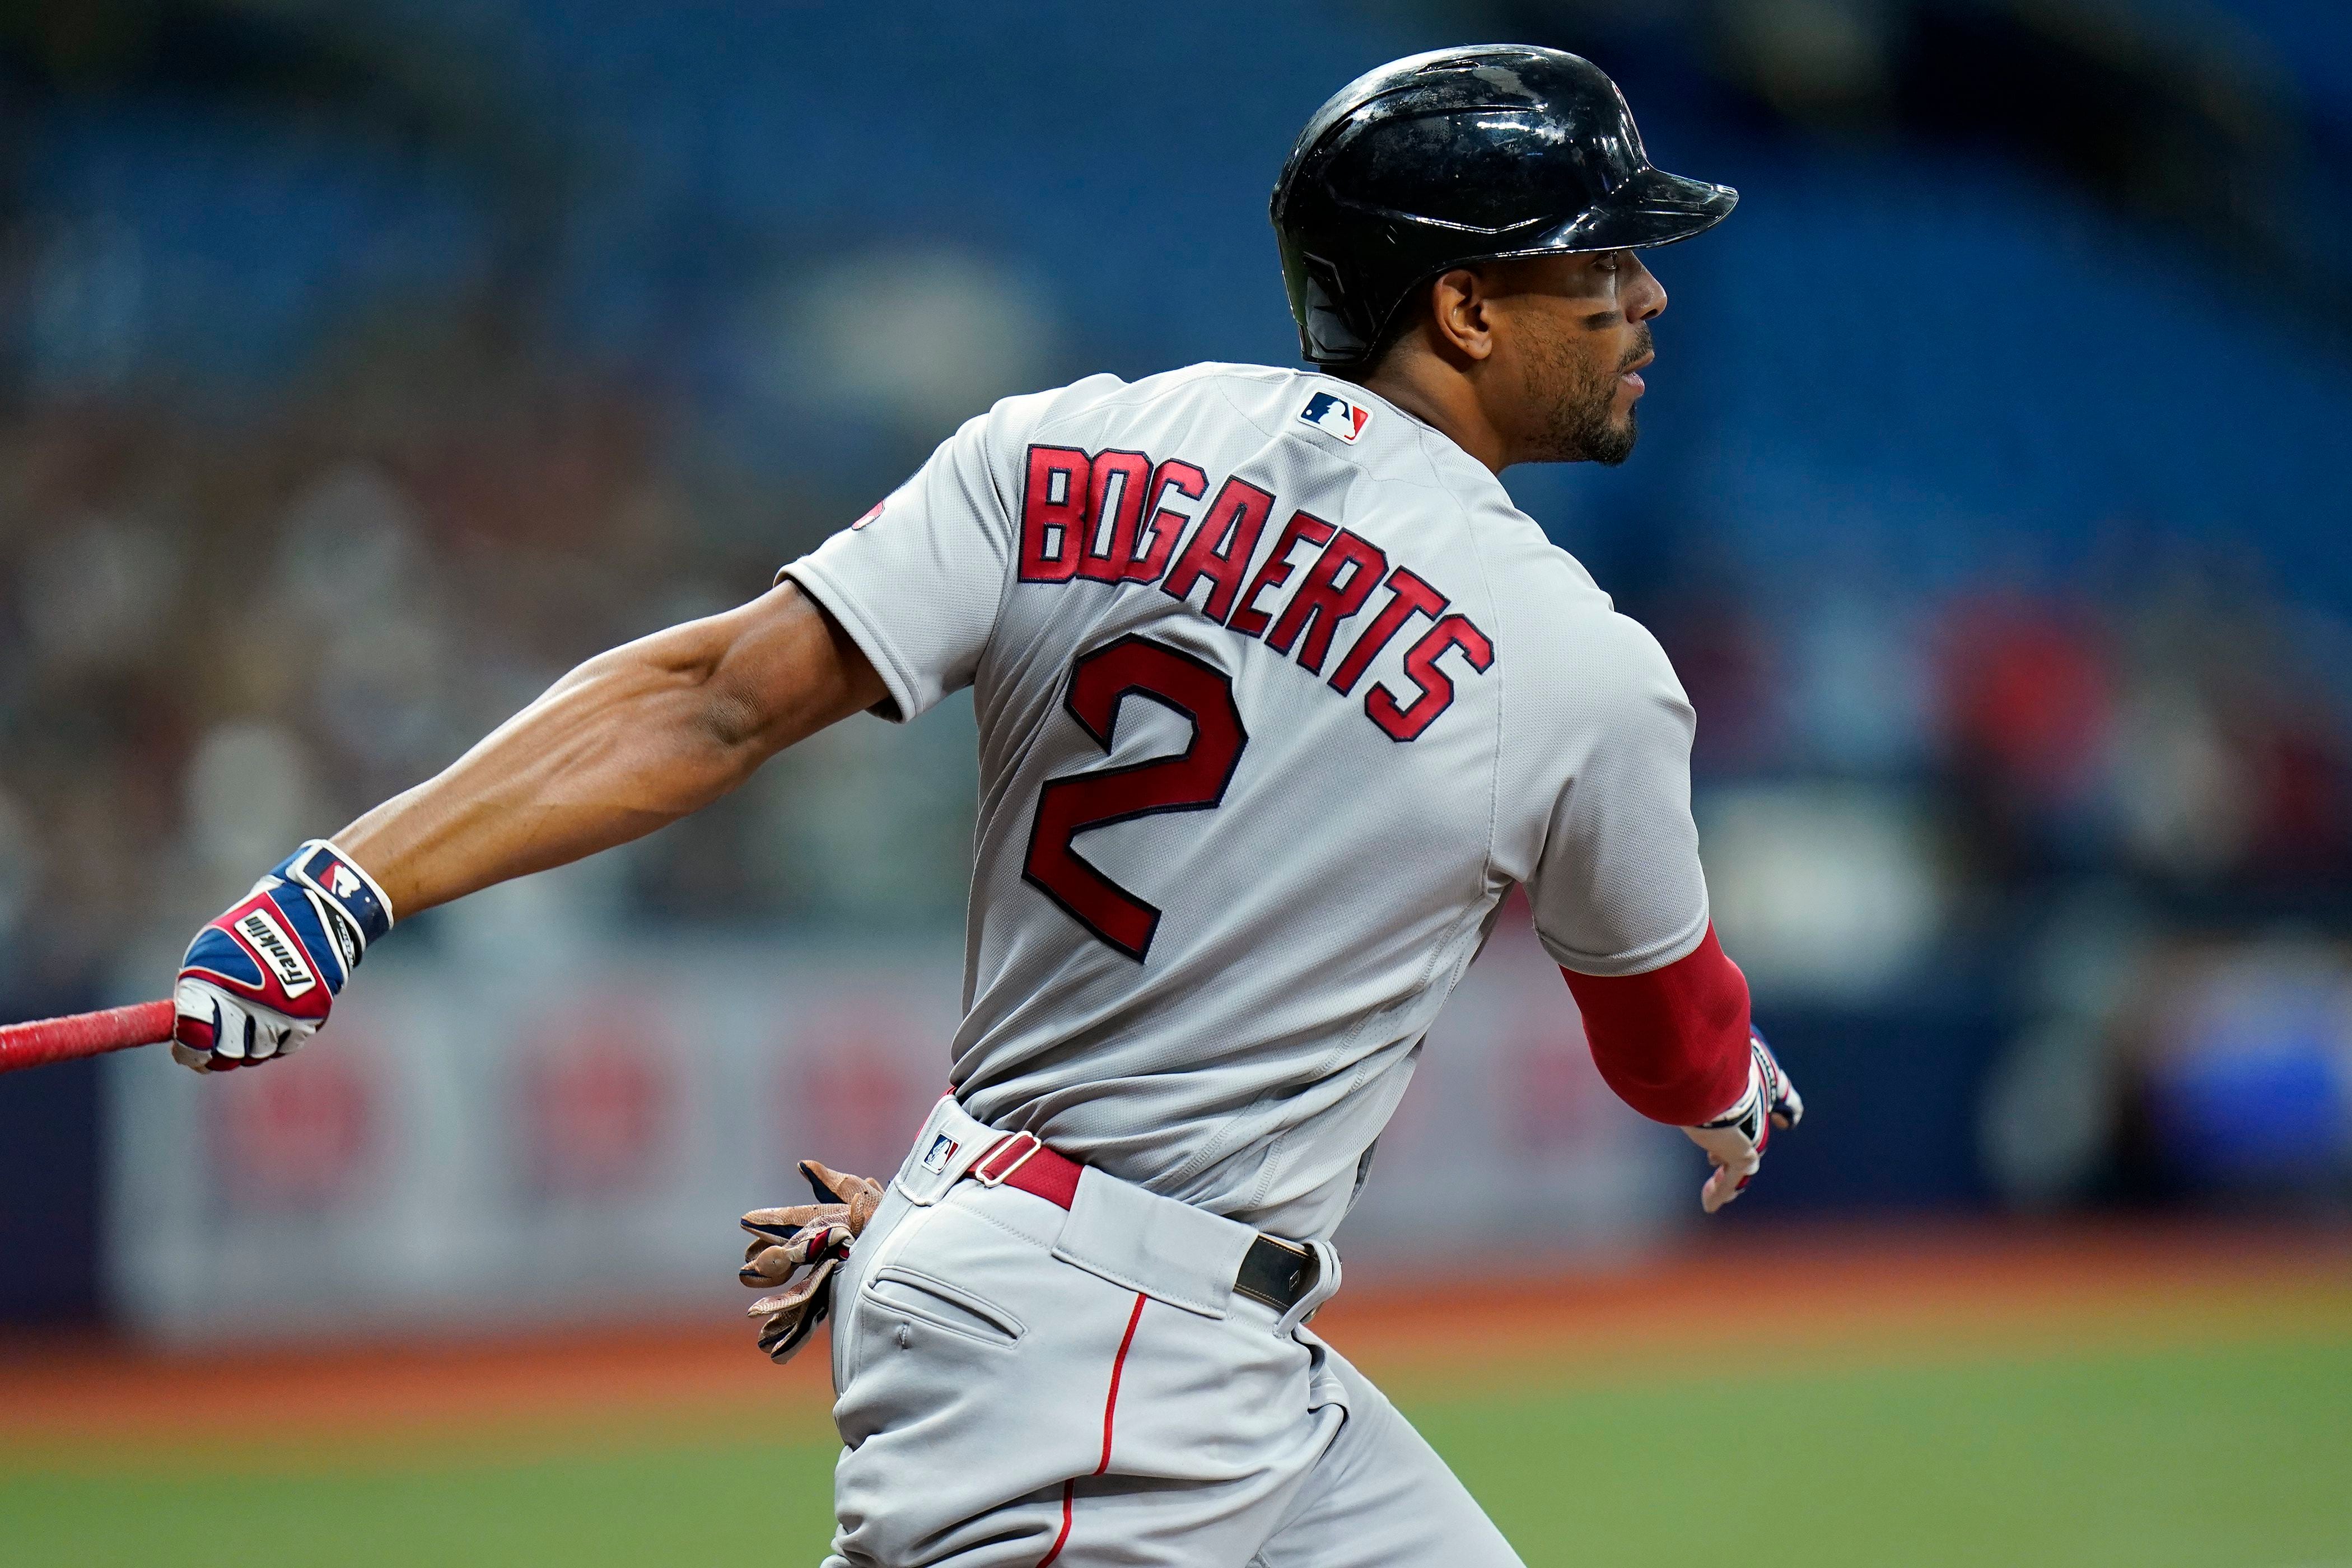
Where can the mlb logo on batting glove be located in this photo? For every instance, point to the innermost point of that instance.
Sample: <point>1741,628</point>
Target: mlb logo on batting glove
<point>260,980</point>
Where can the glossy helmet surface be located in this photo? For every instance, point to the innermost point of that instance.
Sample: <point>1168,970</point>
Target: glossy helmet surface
<point>1461,155</point>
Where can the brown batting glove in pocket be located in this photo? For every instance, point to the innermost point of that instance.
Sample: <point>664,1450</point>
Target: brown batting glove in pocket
<point>812,1236</point>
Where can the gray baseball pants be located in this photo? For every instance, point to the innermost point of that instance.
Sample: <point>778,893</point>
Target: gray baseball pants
<point>1021,1387</point>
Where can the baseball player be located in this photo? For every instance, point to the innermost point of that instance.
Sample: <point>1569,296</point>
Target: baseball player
<point>1278,697</point>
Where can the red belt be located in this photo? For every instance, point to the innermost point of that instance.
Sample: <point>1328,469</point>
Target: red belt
<point>1276,1272</point>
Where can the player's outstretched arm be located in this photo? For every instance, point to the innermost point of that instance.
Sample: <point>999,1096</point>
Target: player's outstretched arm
<point>632,739</point>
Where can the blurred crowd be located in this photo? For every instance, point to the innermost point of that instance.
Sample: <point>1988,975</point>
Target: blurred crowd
<point>214,640</point>
<point>2172,718</point>
<point>217,638</point>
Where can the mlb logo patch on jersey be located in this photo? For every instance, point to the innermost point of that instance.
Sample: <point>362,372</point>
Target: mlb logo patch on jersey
<point>871,513</point>
<point>942,1151</point>
<point>1335,416</point>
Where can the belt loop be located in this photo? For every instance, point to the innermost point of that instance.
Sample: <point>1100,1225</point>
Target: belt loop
<point>988,1178</point>
<point>944,1151</point>
<point>1326,1286</point>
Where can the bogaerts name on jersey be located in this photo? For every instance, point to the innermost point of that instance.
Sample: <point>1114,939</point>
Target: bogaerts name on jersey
<point>1118,517</point>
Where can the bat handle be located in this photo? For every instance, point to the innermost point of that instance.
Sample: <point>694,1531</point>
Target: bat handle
<point>78,1035</point>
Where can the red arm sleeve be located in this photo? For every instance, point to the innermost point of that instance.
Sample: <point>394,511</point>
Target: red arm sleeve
<point>1672,1043</point>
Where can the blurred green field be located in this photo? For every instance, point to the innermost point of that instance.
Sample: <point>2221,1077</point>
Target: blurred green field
<point>2232,1456</point>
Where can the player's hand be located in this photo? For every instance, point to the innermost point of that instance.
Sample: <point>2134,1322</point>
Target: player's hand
<point>1736,1140</point>
<point>815,1237</point>
<point>260,980</point>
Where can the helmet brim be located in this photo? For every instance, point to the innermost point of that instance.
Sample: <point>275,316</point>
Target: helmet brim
<point>1649,208</point>
<point>1652,208</point>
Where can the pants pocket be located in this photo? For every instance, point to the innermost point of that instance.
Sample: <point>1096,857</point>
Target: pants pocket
<point>927,1299</point>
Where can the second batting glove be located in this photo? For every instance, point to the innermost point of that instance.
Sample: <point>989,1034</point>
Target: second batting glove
<point>1736,1140</point>
<point>816,1236</point>
<point>260,980</point>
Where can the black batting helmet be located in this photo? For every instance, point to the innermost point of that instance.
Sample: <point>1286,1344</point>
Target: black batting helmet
<point>1461,155</point>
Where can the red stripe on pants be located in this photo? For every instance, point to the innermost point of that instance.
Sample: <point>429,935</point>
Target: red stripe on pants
<point>1110,1411</point>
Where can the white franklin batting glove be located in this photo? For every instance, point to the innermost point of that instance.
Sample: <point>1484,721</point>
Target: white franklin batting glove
<point>1736,1140</point>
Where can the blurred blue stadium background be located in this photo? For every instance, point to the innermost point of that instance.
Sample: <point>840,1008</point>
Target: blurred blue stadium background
<point>363,368</point>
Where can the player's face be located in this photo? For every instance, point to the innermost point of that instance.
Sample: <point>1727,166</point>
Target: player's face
<point>1572,335</point>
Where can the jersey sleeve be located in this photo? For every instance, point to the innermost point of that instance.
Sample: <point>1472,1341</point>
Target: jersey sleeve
<point>918,583</point>
<point>1617,888</point>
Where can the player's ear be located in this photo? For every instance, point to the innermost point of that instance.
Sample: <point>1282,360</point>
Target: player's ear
<point>1459,315</point>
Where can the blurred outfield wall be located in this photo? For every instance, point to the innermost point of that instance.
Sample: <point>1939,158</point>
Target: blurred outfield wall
<point>573,1136</point>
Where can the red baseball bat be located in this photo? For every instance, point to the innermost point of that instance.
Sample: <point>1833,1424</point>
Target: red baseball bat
<point>78,1035</point>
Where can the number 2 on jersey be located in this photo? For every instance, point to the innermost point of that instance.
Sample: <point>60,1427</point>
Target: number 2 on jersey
<point>1191,780</point>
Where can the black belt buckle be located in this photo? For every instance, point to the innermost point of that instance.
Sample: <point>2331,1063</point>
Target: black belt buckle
<point>1276,1272</point>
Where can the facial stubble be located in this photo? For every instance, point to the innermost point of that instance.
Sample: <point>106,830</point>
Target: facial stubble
<point>1578,397</point>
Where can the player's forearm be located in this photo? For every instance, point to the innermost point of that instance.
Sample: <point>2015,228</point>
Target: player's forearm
<point>613,752</point>
<point>632,739</point>
<point>1672,1044</point>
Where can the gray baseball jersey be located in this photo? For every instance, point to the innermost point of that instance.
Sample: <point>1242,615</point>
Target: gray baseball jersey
<point>1278,696</point>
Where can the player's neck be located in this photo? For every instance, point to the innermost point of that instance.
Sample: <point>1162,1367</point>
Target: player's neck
<point>1436,394</point>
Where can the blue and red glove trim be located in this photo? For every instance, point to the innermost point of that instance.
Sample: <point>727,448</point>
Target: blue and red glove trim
<point>336,878</point>
<point>288,946</point>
